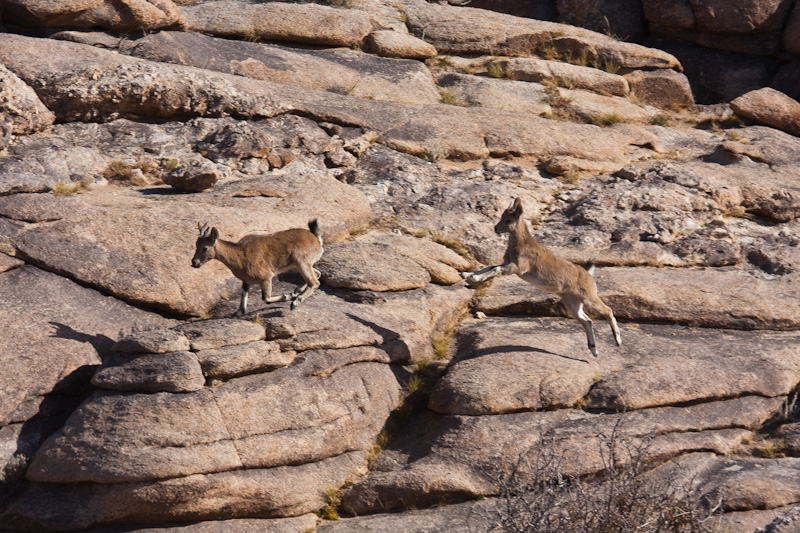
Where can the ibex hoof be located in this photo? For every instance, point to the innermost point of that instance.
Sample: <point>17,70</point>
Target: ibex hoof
<point>465,275</point>
<point>238,314</point>
<point>593,350</point>
<point>295,303</point>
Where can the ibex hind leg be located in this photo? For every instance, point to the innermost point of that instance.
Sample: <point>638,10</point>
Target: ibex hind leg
<point>266,293</point>
<point>609,315</point>
<point>311,283</point>
<point>575,307</point>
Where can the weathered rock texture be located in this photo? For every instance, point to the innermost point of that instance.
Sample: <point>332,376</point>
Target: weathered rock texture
<point>131,402</point>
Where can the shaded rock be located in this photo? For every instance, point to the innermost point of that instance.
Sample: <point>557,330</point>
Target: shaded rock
<point>126,15</point>
<point>624,19</point>
<point>701,298</point>
<point>740,17</point>
<point>21,111</point>
<point>769,107</point>
<point>235,142</point>
<point>346,72</point>
<point>447,458</point>
<point>505,366</point>
<point>661,88</point>
<point>463,31</point>
<point>48,348</point>
<point>787,79</point>
<point>277,21</point>
<point>169,372</point>
<point>282,491</point>
<point>400,325</point>
<point>153,341</point>
<point>791,33</point>
<point>389,262</point>
<point>669,13</point>
<point>394,44</point>
<point>538,70</point>
<point>209,334</point>
<point>234,361</point>
<point>717,76</point>
<point>193,175</point>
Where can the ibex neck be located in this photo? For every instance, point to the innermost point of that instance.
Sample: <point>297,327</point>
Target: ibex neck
<point>521,234</point>
<point>229,253</point>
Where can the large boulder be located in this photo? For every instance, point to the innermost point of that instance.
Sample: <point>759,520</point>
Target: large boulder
<point>454,458</point>
<point>465,30</point>
<point>771,108</point>
<point>21,111</point>
<point>278,21</point>
<point>120,16</point>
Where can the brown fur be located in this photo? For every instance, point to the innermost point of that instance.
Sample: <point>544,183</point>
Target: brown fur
<point>537,265</point>
<point>257,259</point>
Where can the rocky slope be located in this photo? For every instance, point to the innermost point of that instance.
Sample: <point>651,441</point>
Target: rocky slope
<point>132,401</point>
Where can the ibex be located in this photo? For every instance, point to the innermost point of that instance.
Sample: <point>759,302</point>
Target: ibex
<point>537,265</point>
<point>256,259</point>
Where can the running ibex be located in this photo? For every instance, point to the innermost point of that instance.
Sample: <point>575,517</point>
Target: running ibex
<point>256,259</point>
<point>537,265</point>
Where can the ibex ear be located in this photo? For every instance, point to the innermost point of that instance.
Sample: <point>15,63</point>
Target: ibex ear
<point>516,206</point>
<point>214,234</point>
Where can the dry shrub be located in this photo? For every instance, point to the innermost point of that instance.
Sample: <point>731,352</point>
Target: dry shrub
<point>140,172</point>
<point>535,496</point>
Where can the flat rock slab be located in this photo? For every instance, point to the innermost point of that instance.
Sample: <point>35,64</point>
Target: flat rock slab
<point>251,358</point>
<point>265,493</point>
<point>46,345</point>
<point>400,324</point>
<point>156,270</point>
<point>208,334</point>
<point>277,21</point>
<point>510,365</point>
<point>451,458</point>
<point>703,298</point>
<point>347,72</point>
<point>169,372</point>
<point>389,262</point>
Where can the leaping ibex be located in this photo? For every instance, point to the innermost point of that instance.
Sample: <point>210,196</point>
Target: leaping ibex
<point>537,265</point>
<point>256,259</point>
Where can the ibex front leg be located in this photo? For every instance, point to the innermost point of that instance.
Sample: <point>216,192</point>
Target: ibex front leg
<point>485,274</point>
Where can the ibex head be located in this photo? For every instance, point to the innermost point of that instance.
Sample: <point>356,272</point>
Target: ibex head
<point>510,217</point>
<point>204,251</point>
